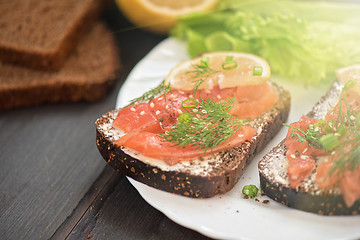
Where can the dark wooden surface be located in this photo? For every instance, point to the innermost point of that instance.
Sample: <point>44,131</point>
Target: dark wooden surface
<point>54,183</point>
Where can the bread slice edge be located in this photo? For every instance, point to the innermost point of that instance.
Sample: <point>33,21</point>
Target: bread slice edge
<point>202,178</point>
<point>87,75</point>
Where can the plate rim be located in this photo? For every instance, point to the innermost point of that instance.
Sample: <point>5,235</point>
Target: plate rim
<point>166,43</point>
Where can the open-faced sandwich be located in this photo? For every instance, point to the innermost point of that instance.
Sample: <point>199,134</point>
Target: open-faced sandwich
<point>317,167</point>
<point>194,134</point>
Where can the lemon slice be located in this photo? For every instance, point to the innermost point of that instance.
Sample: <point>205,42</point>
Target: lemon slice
<point>229,69</point>
<point>159,16</point>
<point>350,73</point>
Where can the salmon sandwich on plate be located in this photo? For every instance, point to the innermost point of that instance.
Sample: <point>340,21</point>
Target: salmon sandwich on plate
<point>194,134</point>
<point>317,167</point>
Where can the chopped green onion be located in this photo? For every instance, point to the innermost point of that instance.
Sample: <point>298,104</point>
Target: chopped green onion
<point>330,126</point>
<point>319,124</point>
<point>257,71</point>
<point>204,62</point>
<point>329,141</point>
<point>357,120</point>
<point>349,84</point>
<point>184,118</point>
<point>189,103</point>
<point>355,158</point>
<point>229,63</point>
<point>250,190</point>
<point>342,129</point>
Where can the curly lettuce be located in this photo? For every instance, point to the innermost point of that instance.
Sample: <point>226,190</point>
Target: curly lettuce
<point>300,40</point>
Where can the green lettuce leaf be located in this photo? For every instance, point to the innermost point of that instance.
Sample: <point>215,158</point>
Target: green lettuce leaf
<point>300,40</point>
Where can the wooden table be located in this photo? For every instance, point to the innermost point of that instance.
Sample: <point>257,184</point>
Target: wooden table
<point>53,182</point>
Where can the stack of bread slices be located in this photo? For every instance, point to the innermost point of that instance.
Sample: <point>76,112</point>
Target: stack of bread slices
<point>54,51</point>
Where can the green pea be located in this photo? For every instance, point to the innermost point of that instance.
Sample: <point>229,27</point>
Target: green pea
<point>250,190</point>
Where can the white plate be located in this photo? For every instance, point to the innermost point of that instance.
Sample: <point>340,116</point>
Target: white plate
<point>229,216</point>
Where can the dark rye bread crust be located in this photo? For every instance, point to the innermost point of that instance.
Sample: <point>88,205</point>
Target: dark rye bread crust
<point>308,197</point>
<point>217,176</point>
<point>87,75</point>
<point>41,34</point>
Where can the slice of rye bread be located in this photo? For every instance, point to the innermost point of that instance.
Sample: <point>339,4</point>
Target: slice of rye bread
<point>87,75</point>
<point>200,178</point>
<point>41,34</point>
<point>274,181</point>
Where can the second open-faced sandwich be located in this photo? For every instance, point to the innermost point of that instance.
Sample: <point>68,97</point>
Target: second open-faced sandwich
<point>317,167</point>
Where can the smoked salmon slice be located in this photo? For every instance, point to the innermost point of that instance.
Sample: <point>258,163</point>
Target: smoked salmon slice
<point>144,122</point>
<point>152,145</point>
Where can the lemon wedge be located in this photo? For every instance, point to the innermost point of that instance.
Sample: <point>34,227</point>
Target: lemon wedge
<point>159,16</point>
<point>350,73</point>
<point>228,69</point>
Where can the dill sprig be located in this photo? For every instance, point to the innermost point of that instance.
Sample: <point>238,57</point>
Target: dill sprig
<point>344,131</point>
<point>348,152</point>
<point>151,94</point>
<point>345,116</point>
<point>310,135</point>
<point>205,126</point>
<point>347,155</point>
<point>202,71</point>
